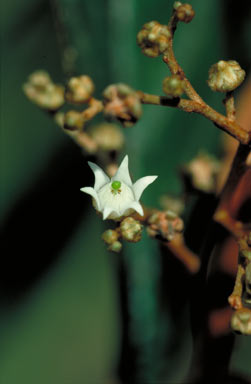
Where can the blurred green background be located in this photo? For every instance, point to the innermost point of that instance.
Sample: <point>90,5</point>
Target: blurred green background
<point>63,318</point>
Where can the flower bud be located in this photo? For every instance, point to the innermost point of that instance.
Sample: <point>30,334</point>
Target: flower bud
<point>73,120</point>
<point>201,173</point>
<point>131,230</point>
<point>185,12</point>
<point>79,89</point>
<point>107,136</point>
<point>164,225</point>
<point>40,79</point>
<point>110,236</point>
<point>122,103</point>
<point>173,85</point>
<point>241,321</point>
<point>42,91</point>
<point>153,38</point>
<point>115,247</point>
<point>225,76</point>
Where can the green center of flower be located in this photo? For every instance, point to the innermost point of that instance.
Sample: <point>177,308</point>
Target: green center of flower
<point>116,185</point>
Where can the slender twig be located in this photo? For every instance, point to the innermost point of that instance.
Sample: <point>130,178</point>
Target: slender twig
<point>218,119</point>
<point>229,105</point>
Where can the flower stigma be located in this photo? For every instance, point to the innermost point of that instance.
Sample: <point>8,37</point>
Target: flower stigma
<point>116,187</point>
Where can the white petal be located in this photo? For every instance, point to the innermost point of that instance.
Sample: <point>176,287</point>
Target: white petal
<point>122,173</point>
<point>91,191</point>
<point>107,211</point>
<point>136,206</point>
<point>141,184</point>
<point>100,177</point>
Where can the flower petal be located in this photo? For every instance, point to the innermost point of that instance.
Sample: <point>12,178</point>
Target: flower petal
<point>100,177</point>
<point>134,205</point>
<point>141,184</point>
<point>91,191</point>
<point>122,173</point>
<point>107,211</point>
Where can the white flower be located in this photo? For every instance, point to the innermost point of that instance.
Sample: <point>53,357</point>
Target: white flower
<point>117,196</point>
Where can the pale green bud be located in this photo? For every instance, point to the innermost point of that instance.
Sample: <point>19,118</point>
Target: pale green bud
<point>173,85</point>
<point>225,76</point>
<point>131,230</point>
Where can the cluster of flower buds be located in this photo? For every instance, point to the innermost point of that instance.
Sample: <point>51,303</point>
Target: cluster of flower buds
<point>129,230</point>
<point>173,86</point>
<point>107,136</point>
<point>241,321</point>
<point>201,173</point>
<point>42,91</point>
<point>110,237</point>
<point>164,225</point>
<point>184,12</point>
<point>153,38</point>
<point>225,76</point>
<point>79,89</point>
<point>122,103</point>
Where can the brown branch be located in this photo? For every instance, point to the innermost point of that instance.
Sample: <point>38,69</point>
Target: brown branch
<point>229,105</point>
<point>203,109</point>
<point>222,214</point>
<point>175,69</point>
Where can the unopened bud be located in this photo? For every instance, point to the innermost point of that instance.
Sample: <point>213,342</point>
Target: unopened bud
<point>110,236</point>
<point>107,136</point>
<point>42,91</point>
<point>225,76</point>
<point>73,120</point>
<point>164,225</point>
<point>201,173</point>
<point>185,13</point>
<point>131,230</point>
<point>40,79</point>
<point>115,247</point>
<point>122,103</point>
<point>79,89</point>
<point>241,321</point>
<point>153,38</point>
<point>173,85</point>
